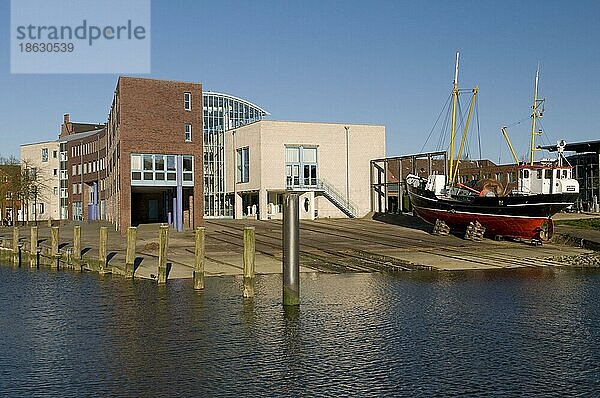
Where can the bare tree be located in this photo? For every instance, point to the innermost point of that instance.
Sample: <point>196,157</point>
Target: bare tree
<point>33,183</point>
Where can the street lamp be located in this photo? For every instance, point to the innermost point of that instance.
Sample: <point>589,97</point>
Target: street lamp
<point>35,192</point>
<point>347,166</point>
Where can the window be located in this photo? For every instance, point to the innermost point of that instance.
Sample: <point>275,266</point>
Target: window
<point>187,101</point>
<point>540,172</point>
<point>55,190</point>
<point>79,188</point>
<point>41,208</point>
<point>547,174</point>
<point>79,169</point>
<point>74,188</point>
<point>54,154</point>
<point>188,168</point>
<point>55,172</point>
<point>292,155</point>
<point>188,132</point>
<point>301,165</point>
<point>44,154</point>
<point>243,165</point>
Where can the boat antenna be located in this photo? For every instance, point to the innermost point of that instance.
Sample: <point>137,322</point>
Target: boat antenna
<point>535,115</point>
<point>454,101</point>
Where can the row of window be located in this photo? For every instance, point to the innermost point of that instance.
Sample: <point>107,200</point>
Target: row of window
<point>546,173</point>
<point>146,167</point>
<point>300,168</point>
<point>45,154</point>
<point>84,149</point>
<point>90,167</point>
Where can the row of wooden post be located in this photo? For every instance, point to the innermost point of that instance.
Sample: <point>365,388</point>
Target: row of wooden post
<point>74,259</point>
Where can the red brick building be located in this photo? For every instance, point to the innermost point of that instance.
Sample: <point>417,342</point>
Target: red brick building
<point>148,153</point>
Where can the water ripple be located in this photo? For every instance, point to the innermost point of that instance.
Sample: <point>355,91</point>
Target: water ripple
<point>501,333</point>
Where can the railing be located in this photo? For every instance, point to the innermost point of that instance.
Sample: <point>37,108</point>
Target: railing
<point>329,191</point>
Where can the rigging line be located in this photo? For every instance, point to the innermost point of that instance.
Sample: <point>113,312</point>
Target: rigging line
<point>460,126</point>
<point>519,122</point>
<point>436,122</point>
<point>442,135</point>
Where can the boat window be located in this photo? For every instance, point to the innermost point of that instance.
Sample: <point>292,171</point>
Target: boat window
<point>525,173</point>
<point>548,174</point>
<point>539,174</point>
<point>564,174</point>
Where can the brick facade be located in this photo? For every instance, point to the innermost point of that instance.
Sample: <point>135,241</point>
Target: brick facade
<point>148,116</point>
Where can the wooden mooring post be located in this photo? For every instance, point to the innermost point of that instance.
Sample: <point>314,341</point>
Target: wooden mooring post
<point>130,254</point>
<point>102,250</point>
<point>163,246</point>
<point>33,247</point>
<point>54,253</point>
<point>199,257</point>
<point>76,259</point>
<point>249,255</point>
<point>15,245</point>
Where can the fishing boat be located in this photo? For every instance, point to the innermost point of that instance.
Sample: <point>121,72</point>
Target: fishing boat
<point>524,212</point>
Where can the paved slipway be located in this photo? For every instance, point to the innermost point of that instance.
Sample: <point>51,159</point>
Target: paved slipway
<point>387,244</point>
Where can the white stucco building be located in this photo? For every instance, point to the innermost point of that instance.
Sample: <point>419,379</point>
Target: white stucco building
<point>42,161</point>
<point>328,162</point>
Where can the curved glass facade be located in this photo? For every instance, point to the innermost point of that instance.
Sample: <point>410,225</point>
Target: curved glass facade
<point>221,113</point>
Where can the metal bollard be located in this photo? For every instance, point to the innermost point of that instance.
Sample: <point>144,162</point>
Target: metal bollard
<point>291,250</point>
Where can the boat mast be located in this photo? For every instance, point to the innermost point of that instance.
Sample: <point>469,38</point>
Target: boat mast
<point>535,115</point>
<point>453,129</point>
<point>464,135</point>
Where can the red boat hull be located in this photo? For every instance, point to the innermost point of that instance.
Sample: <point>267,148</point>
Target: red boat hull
<point>495,225</point>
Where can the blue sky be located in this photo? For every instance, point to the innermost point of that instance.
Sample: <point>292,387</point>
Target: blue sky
<point>380,62</point>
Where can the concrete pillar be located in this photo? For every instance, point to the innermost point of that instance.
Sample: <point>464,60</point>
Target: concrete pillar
<point>173,217</point>
<point>54,242</point>
<point>102,250</point>
<point>199,257</point>
<point>130,254</point>
<point>598,182</point>
<point>179,214</point>
<point>33,246</point>
<point>15,245</point>
<point>291,250</point>
<point>77,247</point>
<point>238,206</point>
<point>249,255</point>
<point>163,246</point>
<point>262,204</point>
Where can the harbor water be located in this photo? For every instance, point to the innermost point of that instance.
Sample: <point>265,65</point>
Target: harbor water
<point>506,333</point>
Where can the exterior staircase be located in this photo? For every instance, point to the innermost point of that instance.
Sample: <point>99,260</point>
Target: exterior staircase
<point>333,195</point>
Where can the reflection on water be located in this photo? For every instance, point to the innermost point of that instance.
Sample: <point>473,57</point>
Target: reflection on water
<point>513,332</point>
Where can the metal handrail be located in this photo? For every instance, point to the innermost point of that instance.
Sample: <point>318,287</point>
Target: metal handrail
<point>330,191</point>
